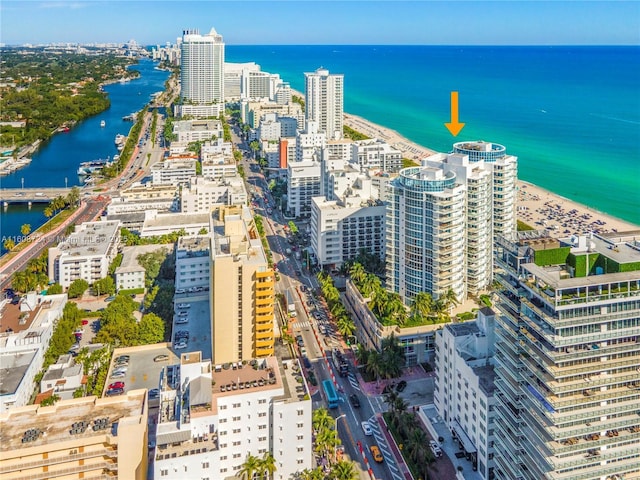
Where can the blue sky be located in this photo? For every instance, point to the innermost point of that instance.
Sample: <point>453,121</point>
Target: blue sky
<point>325,22</point>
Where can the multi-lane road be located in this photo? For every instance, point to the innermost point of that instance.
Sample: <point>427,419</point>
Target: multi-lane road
<point>313,323</point>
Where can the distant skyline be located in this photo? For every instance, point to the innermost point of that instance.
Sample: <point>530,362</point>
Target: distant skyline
<point>327,22</point>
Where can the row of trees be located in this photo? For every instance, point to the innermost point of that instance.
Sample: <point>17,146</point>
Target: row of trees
<point>389,308</point>
<point>325,444</point>
<point>33,276</point>
<point>408,433</point>
<point>120,328</point>
<point>344,323</point>
<point>129,238</point>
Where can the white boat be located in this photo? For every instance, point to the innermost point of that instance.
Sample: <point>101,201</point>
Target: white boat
<point>120,139</point>
<point>103,123</point>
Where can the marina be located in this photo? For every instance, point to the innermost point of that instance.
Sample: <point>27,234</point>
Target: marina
<point>10,165</point>
<point>93,166</point>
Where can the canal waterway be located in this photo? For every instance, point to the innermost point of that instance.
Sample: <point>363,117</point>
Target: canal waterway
<point>55,164</point>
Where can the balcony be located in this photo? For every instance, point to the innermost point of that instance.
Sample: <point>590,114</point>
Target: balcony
<point>67,458</point>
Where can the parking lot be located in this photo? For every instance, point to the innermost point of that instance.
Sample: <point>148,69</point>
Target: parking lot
<point>142,370</point>
<point>198,324</point>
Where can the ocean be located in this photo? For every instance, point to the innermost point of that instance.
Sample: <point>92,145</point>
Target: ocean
<point>570,114</point>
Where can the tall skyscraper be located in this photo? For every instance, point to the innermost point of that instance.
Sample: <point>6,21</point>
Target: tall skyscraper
<point>505,177</point>
<point>325,102</point>
<point>242,289</point>
<point>202,67</point>
<point>425,233</point>
<point>568,357</point>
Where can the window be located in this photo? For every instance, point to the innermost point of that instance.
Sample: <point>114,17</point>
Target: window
<point>223,457</point>
<point>300,449</point>
<point>236,430</point>
<point>223,420</point>
<point>300,437</point>
<point>235,444</point>
<point>223,432</point>
<point>236,405</point>
<point>164,473</point>
<point>237,455</point>
<point>262,414</point>
<point>205,464</point>
<point>300,412</point>
<point>236,419</point>
<point>262,400</point>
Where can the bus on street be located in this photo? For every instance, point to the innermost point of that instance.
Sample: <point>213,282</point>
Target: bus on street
<point>330,393</point>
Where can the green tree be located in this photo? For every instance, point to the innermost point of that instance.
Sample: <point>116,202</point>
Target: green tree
<point>344,470</point>
<point>9,244</point>
<point>266,466</point>
<point>255,147</point>
<point>73,197</point>
<point>345,325</point>
<point>421,306</point>
<point>249,467</point>
<point>25,229</point>
<point>54,289</point>
<point>49,401</point>
<point>150,329</point>
<point>357,273</point>
<point>48,213</point>
<point>203,231</point>
<point>104,286</point>
<point>321,419</point>
<point>77,288</point>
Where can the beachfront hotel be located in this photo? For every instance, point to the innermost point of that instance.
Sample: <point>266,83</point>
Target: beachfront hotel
<point>505,176</point>
<point>568,357</point>
<point>202,67</point>
<point>242,295</point>
<point>324,95</point>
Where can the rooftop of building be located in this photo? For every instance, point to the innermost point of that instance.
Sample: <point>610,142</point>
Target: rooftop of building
<point>56,373</point>
<point>56,423</point>
<point>182,164</point>
<point>13,366</point>
<point>176,219</point>
<point>486,378</point>
<point>130,257</point>
<point>234,233</point>
<point>196,125</point>
<point>462,329</point>
<point>580,260</point>
<point>196,246</point>
<point>30,312</point>
<point>91,239</point>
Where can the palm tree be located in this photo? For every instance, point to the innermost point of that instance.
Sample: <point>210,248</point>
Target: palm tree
<point>321,419</point>
<point>266,466</point>
<point>48,212</point>
<point>449,299</point>
<point>374,364</point>
<point>74,196</point>
<point>254,146</point>
<point>395,309</point>
<point>421,305</point>
<point>326,440</point>
<point>357,273</point>
<point>416,444</point>
<point>344,470</point>
<point>315,474</point>
<point>25,229</point>
<point>378,303</point>
<point>370,285</point>
<point>249,467</point>
<point>345,325</point>
<point>9,244</point>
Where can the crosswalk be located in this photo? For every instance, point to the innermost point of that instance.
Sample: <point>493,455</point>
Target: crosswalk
<point>304,324</point>
<point>353,382</point>
<point>385,450</point>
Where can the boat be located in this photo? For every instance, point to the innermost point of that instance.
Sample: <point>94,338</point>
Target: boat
<point>103,123</point>
<point>124,80</point>
<point>87,168</point>
<point>120,139</point>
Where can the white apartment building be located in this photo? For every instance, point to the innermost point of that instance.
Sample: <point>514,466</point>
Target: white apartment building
<point>85,254</point>
<point>325,101</point>
<point>173,172</point>
<point>148,192</point>
<point>233,78</point>
<point>283,93</point>
<point>252,112</point>
<point>505,176</point>
<point>163,223</point>
<point>120,205</point>
<point>202,67</point>
<point>464,389</point>
<point>62,378</point>
<point>376,154</point>
<point>215,147</point>
<point>477,181</point>
<point>27,330</point>
<point>257,85</point>
<point>270,128</point>
<point>310,143</point>
<point>210,419</point>
<point>425,233</point>
<point>303,183</point>
<point>202,194</point>
<point>189,131</point>
<point>216,166</point>
<point>130,275</point>
<point>193,262</point>
<point>198,111</point>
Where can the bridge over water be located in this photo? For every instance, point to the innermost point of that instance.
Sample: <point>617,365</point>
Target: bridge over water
<point>31,195</point>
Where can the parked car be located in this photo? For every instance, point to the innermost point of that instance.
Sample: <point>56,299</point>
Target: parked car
<point>355,401</point>
<point>306,362</point>
<point>401,385</point>
<point>116,385</point>
<point>435,448</point>
<point>122,357</point>
<point>114,391</point>
<point>375,453</point>
<point>118,375</point>
<point>366,428</point>
<point>180,345</point>
<point>161,358</point>
<point>154,393</point>
<point>183,305</point>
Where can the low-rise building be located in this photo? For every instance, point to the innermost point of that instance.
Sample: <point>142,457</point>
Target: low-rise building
<point>84,437</point>
<point>418,342</point>
<point>464,389</point>
<point>130,275</point>
<point>85,254</point>
<point>163,223</point>
<point>376,154</point>
<point>211,419</point>
<point>252,112</point>
<point>188,131</point>
<point>62,378</point>
<point>198,110</point>
<point>218,165</point>
<point>27,328</point>
<point>175,173</point>
<point>193,267</point>
<point>148,192</point>
<point>120,205</point>
<point>202,194</point>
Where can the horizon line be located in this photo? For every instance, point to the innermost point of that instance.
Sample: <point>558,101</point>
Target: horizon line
<point>6,45</point>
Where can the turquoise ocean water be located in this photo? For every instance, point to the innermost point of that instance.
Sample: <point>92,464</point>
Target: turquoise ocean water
<point>571,114</point>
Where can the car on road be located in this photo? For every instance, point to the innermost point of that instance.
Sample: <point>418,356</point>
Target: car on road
<point>114,391</point>
<point>154,393</point>
<point>355,401</point>
<point>401,385</point>
<point>435,448</point>
<point>375,453</point>
<point>306,362</point>
<point>116,385</point>
<point>366,428</point>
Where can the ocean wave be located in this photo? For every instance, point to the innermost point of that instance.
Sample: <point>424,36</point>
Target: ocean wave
<point>609,117</point>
